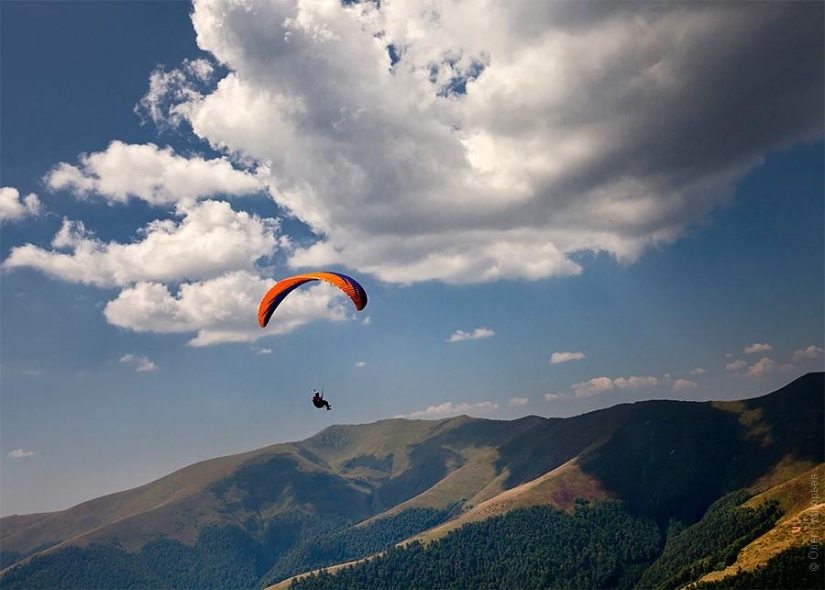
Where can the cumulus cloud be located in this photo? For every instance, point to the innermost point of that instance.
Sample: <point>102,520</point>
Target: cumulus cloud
<point>155,175</point>
<point>12,208</point>
<point>699,371</point>
<point>451,409</point>
<point>218,309</point>
<point>466,146</point>
<point>564,357</point>
<point>757,347</point>
<point>360,364</point>
<point>684,385</point>
<point>737,365</point>
<point>599,385</point>
<point>811,353</point>
<point>767,367</point>
<point>593,387</point>
<point>142,364</point>
<point>478,333</point>
<point>170,90</point>
<point>210,239</point>
<point>635,382</point>
<point>20,453</point>
<point>549,397</point>
<point>518,401</point>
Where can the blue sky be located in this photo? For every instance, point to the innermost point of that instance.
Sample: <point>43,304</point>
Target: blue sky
<point>583,205</point>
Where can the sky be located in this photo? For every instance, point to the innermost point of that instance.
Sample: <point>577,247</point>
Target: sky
<point>554,207</point>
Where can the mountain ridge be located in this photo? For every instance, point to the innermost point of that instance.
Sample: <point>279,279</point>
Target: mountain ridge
<point>660,457</point>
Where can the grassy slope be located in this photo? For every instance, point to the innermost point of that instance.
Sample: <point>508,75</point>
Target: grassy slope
<point>183,488</point>
<point>182,503</point>
<point>800,523</point>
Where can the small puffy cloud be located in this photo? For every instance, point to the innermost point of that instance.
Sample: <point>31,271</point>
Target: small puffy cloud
<point>737,365</point>
<point>155,175</point>
<point>593,387</point>
<point>757,347</point>
<point>142,364</point>
<point>360,364</point>
<point>209,240</point>
<point>169,90</point>
<point>20,453</point>
<point>518,401</point>
<point>367,321</point>
<point>766,367</point>
<point>636,382</point>
<point>603,384</point>
<point>684,385</point>
<point>219,309</point>
<point>460,335</point>
<point>811,353</point>
<point>450,409</point>
<point>264,350</point>
<point>550,397</point>
<point>12,208</point>
<point>564,357</point>
<point>699,371</point>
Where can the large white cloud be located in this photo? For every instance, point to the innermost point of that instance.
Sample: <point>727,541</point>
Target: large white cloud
<point>210,240</point>
<point>222,309</point>
<point>467,143</point>
<point>12,207</point>
<point>155,175</point>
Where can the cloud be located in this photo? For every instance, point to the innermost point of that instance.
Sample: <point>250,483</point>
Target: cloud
<point>593,387</point>
<point>169,90</point>
<point>264,350</point>
<point>564,357</point>
<point>684,385</point>
<point>603,384</point>
<point>210,240</point>
<point>152,174</point>
<point>495,144</point>
<point>518,401</point>
<point>12,208</point>
<point>549,397</point>
<point>142,363</point>
<point>699,371</point>
<point>635,382</point>
<point>766,367</point>
<point>360,364</point>
<point>737,365</point>
<point>20,453</point>
<point>219,309</point>
<point>450,409</point>
<point>811,353</point>
<point>460,335</point>
<point>757,347</point>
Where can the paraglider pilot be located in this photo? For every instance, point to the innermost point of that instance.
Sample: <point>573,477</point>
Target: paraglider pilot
<point>318,400</point>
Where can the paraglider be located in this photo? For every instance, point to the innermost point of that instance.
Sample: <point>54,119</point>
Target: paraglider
<point>284,287</point>
<point>318,400</point>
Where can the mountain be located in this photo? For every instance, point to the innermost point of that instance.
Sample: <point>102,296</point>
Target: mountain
<point>353,491</point>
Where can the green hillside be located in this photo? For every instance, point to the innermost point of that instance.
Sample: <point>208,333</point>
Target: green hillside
<point>353,491</point>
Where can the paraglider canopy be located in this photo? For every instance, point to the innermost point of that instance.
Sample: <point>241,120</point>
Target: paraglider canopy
<point>284,287</point>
